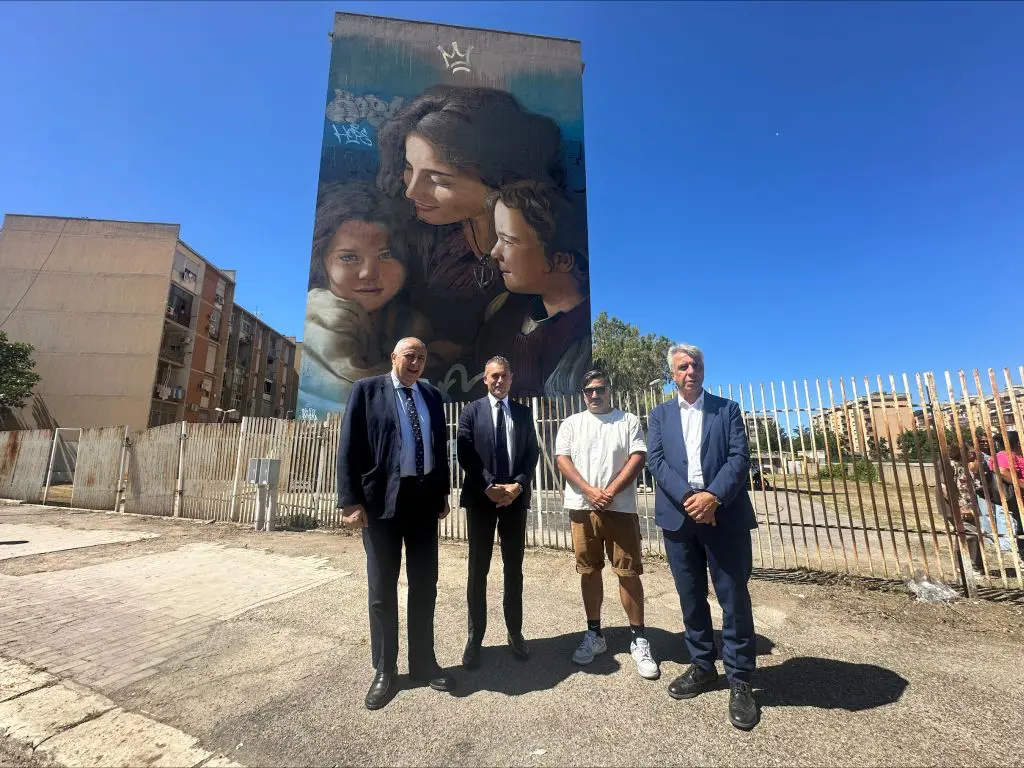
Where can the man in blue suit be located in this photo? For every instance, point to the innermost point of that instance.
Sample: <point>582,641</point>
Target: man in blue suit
<point>699,457</point>
<point>393,482</point>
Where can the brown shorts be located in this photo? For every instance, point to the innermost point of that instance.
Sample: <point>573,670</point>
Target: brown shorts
<point>617,533</point>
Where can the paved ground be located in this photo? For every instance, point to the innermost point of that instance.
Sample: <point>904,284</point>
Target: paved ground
<point>275,661</point>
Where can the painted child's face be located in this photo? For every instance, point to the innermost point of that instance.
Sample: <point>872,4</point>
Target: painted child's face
<point>442,193</point>
<point>360,266</point>
<point>519,253</point>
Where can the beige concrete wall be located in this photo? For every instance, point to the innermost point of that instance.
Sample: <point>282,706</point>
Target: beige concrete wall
<point>90,296</point>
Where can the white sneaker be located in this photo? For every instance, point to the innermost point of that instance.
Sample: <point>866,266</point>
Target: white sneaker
<point>645,663</point>
<point>592,645</point>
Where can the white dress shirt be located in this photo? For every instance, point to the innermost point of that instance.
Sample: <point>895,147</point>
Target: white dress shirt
<point>692,417</point>
<point>508,422</point>
<point>408,448</point>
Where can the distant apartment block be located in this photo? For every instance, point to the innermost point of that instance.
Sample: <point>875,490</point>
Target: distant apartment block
<point>260,377</point>
<point>130,325</point>
<point>878,416</point>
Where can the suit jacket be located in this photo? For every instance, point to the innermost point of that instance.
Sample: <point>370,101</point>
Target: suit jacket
<point>475,448</point>
<point>369,453</point>
<point>724,460</point>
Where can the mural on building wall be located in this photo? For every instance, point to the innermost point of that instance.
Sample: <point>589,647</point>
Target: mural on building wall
<point>452,207</point>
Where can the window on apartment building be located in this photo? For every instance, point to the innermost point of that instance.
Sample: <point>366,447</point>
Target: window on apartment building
<point>268,387</point>
<point>211,359</point>
<point>218,299</point>
<point>179,306</point>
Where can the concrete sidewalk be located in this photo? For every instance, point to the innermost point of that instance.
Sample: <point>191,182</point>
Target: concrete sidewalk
<point>274,661</point>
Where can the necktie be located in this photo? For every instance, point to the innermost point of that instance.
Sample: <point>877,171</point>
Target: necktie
<point>501,468</point>
<point>417,432</point>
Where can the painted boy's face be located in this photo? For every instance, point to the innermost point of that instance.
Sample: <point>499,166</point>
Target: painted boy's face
<point>519,253</point>
<point>442,193</point>
<point>360,267</point>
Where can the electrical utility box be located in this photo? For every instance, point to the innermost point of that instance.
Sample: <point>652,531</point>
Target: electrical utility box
<point>264,474</point>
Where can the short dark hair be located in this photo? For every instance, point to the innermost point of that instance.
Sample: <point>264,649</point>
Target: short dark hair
<point>594,375</point>
<point>548,213</point>
<point>499,360</point>
<point>337,203</point>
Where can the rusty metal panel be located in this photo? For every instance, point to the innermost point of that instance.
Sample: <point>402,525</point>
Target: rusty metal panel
<point>97,468</point>
<point>153,471</point>
<point>32,449</point>
<point>10,443</point>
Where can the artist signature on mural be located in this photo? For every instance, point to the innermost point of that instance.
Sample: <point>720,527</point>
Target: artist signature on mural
<point>308,414</point>
<point>465,385</point>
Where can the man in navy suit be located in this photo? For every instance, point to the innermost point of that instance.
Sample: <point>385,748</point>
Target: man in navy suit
<point>497,449</point>
<point>699,457</point>
<point>393,483</point>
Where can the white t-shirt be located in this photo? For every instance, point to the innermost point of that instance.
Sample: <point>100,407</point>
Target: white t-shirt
<point>599,446</point>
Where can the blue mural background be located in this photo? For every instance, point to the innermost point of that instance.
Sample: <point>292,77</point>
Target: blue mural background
<point>378,66</point>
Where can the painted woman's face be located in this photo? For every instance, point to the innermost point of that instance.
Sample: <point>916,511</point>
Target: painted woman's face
<point>360,267</point>
<point>442,193</point>
<point>519,253</point>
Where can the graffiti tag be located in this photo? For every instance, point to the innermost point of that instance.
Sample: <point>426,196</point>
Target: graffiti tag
<point>351,134</point>
<point>308,414</point>
<point>456,61</point>
<point>346,107</point>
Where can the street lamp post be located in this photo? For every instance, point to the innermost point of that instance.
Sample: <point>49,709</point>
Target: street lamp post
<point>224,414</point>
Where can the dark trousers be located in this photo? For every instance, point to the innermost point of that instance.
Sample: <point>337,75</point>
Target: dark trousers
<point>511,525</point>
<point>691,552</point>
<point>415,525</point>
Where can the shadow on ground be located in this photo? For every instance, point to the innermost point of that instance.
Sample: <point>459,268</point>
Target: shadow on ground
<point>551,661</point>
<point>808,681</point>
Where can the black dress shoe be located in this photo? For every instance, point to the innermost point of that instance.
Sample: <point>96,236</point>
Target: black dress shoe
<point>437,679</point>
<point>382,690</point>
<point>519,646</point>
<point>471,656</point>
<point>692,682</point>
<point>743,710</point>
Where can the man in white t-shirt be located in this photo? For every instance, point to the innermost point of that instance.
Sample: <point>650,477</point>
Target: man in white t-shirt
<point>601,452</point>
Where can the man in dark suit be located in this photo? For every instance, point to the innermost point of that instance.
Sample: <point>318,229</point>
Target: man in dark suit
<point>698,454</point>
<point>497,449</point>
<point>393,483</point>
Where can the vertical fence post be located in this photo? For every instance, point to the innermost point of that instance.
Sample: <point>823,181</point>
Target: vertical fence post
<point>121,486</point>
<point>538,473</point>
<point>238,470</point>
<point>179,490</point>
<point>49,469</point>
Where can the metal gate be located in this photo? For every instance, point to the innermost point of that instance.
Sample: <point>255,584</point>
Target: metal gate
<point>99,469</point>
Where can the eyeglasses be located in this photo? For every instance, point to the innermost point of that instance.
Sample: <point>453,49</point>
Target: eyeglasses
<point>591,391</point>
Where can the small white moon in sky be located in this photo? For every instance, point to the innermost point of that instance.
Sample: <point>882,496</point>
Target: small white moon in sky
<point>776,133</point>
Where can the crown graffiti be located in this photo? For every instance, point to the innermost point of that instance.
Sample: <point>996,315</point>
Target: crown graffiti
<point>456,61</point>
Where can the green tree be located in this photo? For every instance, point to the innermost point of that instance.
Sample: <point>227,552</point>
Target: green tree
<point>920,444</point>
<point>16,375</point>
<point>633,361</point>
<point>881,446</point>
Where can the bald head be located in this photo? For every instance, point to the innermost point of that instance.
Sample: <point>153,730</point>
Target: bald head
<point>408,360</point>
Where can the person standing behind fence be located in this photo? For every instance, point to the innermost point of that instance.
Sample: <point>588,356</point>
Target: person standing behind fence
<point>393,482</point>
<point>601,452</point>
<point>497,449</point>
<point>699,458</point>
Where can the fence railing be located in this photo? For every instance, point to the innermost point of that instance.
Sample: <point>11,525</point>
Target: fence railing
<point>878,478</point>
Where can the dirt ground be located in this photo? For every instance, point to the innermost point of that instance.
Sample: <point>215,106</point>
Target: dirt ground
<point>851,671</point>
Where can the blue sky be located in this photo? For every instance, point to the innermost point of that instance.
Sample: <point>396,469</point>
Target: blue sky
<point>806,189</point>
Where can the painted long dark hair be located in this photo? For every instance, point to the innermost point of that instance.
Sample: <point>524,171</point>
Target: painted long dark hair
<point>481,131</point>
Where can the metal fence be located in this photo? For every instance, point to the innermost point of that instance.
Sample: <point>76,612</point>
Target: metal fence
<point>847,475</point>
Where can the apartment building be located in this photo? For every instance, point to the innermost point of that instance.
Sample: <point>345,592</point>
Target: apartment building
<point>260,376</point>
<point>130,324</point>
<point>878,416</point>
